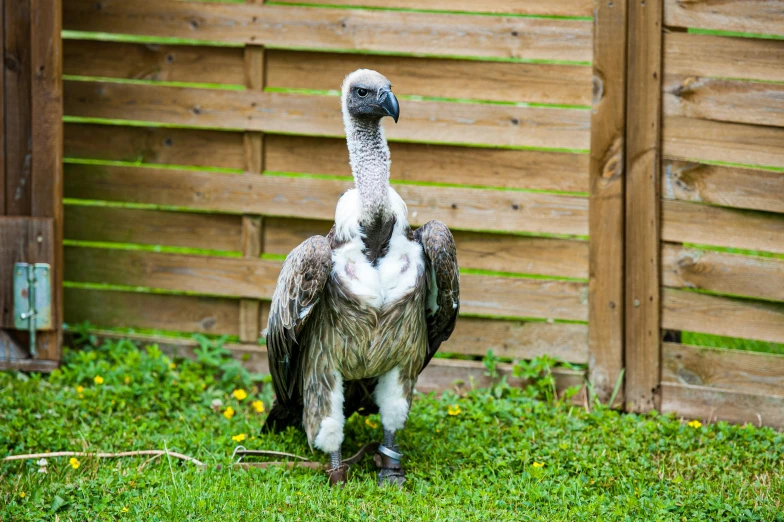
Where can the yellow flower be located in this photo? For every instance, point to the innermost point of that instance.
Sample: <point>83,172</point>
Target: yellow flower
<point>124,510</point>
<point>538,464</point>
<point>370,423</point>
<point>127,379</point>
<point>79,389</point>
<point>238,438</point>
<point>98,379</point>
<point>172,366</point>
<point>229,413</point>
<point>454,409</point>
<point>74,462</point>
<point>258,406</point>
<point>695,424</point>
<point>239,394</point>
<point>23,494</point>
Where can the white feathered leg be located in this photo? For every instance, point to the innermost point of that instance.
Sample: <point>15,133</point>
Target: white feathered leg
<point>393,405</point>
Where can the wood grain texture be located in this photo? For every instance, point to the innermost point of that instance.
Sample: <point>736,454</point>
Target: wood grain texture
<point>281,196</point>
<point>745,16</point>
<point>192,147</point>
<point>519,340</point>
<point>725,186</point>
<point>685,222</point>
<point>18,118</point>
<point>720,368</point>
<point>441,122</point>
<point>711,405</point>
<point>749,276</point>
<point>19,237</point>
<point>256,278</point>
<point>607,204</point>
<point>695,139</point>
<point>481,251</point>
<point>643,158</point>
<point>723,57</point>
<point>694,312</point>
<point>214,276</point>
<point>333,29</point>
<point>2,120</point>
<point>153,227</point>
<point>165,63</point>
<point>732,101</point>
<point>47,148</point>
<point>468,79</point>
<point>112,309</point>
<point>534,7</point>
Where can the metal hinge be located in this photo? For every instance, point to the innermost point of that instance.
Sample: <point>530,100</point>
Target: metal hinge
<point>32,299</point>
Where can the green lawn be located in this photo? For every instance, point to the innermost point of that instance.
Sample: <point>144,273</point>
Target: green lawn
<point>503,456</point>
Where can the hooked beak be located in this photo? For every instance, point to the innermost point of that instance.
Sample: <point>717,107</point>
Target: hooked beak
<point>388,103</point>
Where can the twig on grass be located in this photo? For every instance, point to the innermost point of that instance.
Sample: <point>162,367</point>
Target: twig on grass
<point>102,455</point>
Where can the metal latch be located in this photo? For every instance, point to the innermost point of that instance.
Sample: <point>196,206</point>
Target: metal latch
<point>32,299</point>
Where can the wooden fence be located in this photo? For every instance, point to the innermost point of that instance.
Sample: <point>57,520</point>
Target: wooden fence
<point>193,165</point>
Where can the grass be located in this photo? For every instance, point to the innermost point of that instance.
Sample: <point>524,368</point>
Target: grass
<point>504,456</point>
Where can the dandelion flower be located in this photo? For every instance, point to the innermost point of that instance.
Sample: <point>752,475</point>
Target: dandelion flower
<point>172,366</point>
<point>229,413</point>
<point>22,494</point>
<point>79,389</point>
<point>239,394</point>
<point>74,462</point>
<point>238,438</point>
<point>538,464</point>
<point>124,510</point>
<point>695,424</point>
<point>370,423</point>
<point>454,409</point>
<point>258,406</point>
<point>127,380</point>
<point>98,379</point>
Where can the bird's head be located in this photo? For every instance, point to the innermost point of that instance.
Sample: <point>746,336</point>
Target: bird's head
<point>367,95</point>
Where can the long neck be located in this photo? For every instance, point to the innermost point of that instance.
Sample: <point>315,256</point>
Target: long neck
<point>369,158</point>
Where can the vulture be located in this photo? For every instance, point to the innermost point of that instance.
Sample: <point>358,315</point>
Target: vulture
<point>358,314</point>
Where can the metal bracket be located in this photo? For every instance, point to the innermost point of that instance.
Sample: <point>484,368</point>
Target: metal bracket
<point>32,300</point>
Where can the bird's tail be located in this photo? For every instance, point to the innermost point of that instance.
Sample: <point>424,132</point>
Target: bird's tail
<point>281,417</point>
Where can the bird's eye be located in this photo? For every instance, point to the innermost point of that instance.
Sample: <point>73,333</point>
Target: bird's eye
<point>362,92</point>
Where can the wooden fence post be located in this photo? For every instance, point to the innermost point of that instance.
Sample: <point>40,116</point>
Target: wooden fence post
<point>643,165</point>
<point>252,225</point>
<point>606,215</point>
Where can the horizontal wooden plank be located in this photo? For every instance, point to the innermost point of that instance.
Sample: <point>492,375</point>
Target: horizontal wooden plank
<point>530,7</point>
<point>165,63</point>
<point>111,309</point>
<point>29,365</point>
<point>711,405</point>
<point>506,168</point>
<point>428,121</point>
<point>153,227</point>
<point>192,147</point>
<point>725,186</point>
<point>460,208</point>
<point>215,276</point>
<point>502,253</point>
<point>716,99</point>
<point>685,222</point>
<point>689,54</point>
<point>256,278</point>
<point>332,29</point>
<point>694,312</point>
<point>729,369</point>
<point>695,139</point>
<point>734,274</point>
<point>745,16</point>
<point>529,169</point>
<point>494,81</point>
<point>519,340</point>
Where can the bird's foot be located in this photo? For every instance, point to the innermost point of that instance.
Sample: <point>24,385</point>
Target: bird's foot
<point>338,476</point>
<point>391,472</point>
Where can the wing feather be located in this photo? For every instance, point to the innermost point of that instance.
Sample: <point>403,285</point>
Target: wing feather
<point>443,280</point>
<point>298,291</point>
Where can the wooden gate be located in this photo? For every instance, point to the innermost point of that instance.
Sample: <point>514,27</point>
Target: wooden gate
<point>31,208</point>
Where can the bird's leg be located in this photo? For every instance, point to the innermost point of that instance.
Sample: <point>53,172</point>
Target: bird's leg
<point>337,470</point>
<point>388,459</point>
<point>393,399</point>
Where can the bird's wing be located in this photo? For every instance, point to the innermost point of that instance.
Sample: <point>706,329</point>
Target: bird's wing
<point>300,286</point>
<point>443,283</point>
